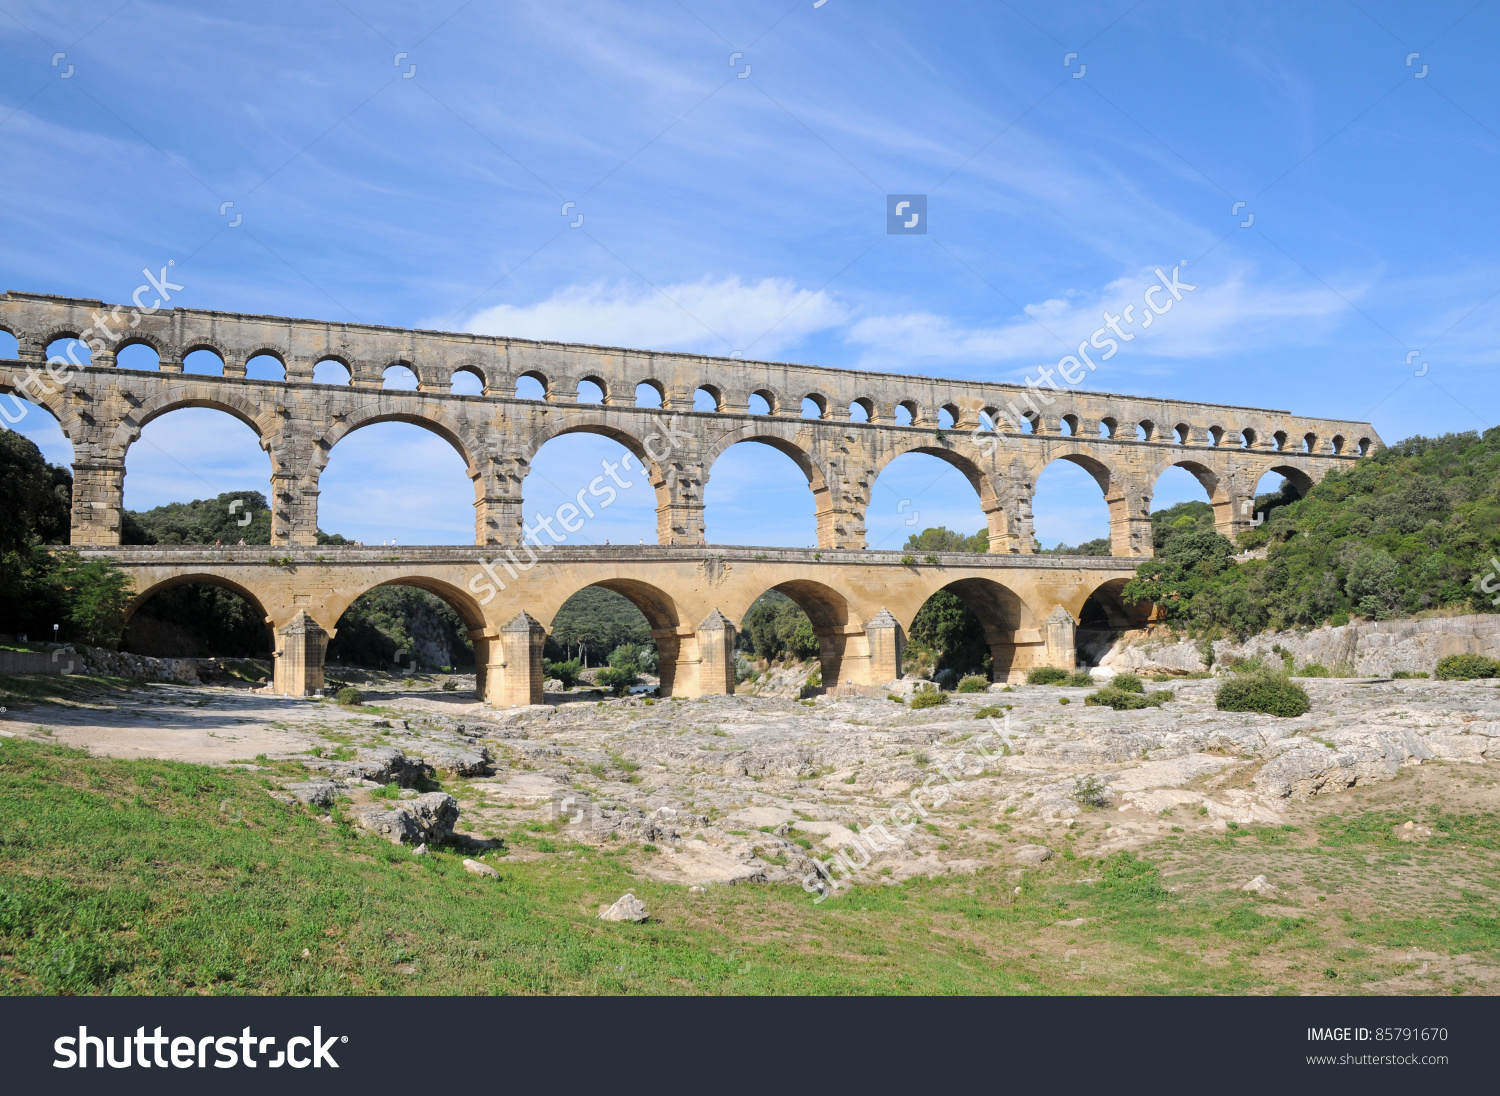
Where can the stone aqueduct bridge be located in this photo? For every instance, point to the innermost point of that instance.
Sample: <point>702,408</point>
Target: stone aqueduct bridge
<point>859,600</point>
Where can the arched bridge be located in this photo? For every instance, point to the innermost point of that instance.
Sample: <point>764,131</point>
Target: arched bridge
<point>1000,436</point>
<point>508,589</point>
<point>860,603</point>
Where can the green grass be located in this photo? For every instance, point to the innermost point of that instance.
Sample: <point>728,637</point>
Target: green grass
<point>160,877</point>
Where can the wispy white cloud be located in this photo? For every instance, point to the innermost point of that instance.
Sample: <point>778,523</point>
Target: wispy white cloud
<point>725,316</point>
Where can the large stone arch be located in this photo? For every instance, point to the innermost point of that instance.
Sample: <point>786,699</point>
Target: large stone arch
<point>47,396</point>
<point>834,622</point>
<point>787,437</point>
<point>676,638</point>
<point>663,479</point>
<point>1018,641</point>
<point>265,424</point>
<point>1299,477</point>
<point>1128,498</point>
<point>255,599</point>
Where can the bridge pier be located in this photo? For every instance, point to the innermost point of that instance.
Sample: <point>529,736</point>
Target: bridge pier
<point>513,675</point>
<point>98,498</point>
<point>300,649</point>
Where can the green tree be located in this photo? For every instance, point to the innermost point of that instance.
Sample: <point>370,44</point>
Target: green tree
<point>35,497</point>
<point>775,626</point>
<point>96,594</point>
<point>943,539</point>
<point>950,631</point>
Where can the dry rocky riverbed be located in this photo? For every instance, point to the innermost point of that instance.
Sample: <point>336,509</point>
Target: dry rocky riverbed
<point>726,790</point>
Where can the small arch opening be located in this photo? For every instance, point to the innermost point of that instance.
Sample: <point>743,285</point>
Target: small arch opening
<point>10,348</point>
<point>945,419</point>
<point>590,391</point>
<point>1031,422</point>
<point>986,421</point>
<point>399,377</point>
<point>1184,433</point>
<point>861,410</point>
<point>1364,447</point>
<point>707,398</point>
<point>137,356</point>
<point>70,349</point>
<point>814,407</point>
<point>759,405</point>
<point>648,394</point>
<point>1144,430</point>
<point>1279,440</point>
<point>205,363</point>
<point>264,367</point>
<point>531,386</point>
<point>331,371</point>
<point>1338,443</point>
<point>1107,428</point>
<point>906,413</point>
<point>1309,443</point>
<point>1216,436</point>
<point>1068,426</point>
<point>466,382</point>
<point>1247,438</point>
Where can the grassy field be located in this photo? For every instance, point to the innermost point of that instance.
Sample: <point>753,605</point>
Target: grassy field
<point>160,877</point>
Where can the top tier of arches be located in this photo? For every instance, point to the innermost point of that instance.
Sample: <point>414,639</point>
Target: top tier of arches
<point>470,366</point>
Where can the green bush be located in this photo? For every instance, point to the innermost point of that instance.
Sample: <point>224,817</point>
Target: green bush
<point>1080,679</point>
<point>1314,669</point>
<point>1046,675</point>
<point>617,679</point>
<point>348,696</point>
<point>566,672</point>
<point>1128,683</point>
<point>928,697</point>
<point>1064,700</point>
<point>989,711</point>
<point>1121,701</point>
<point>1268,693</point>
<point>1466,668</point>
<point>974,683</point>
<point>450,686</point>
<point>1410,673</point>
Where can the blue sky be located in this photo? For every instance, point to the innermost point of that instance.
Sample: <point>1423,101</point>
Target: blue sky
<point>728,214</point>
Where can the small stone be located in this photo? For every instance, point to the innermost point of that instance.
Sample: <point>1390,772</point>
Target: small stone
<point>307,953</point>
<point>420,850</point>
<point>1077,922</point>
<point>627,908</point>
<point>1259,886</point>
<point>1033,854</point>
<point>695,889</point>
<point>477,868</point>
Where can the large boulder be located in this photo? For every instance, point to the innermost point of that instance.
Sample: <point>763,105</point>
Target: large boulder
<point>458,761</point>
<point>380,764</point>
<point>1313,770</point>
<point>423,819</point>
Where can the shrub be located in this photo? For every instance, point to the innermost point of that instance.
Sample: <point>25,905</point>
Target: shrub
<point>1314,669</point>
<point>1128,683</point>
<point>566,672</point>
<point>1466,668</point>
<point>988,711</point>
<point>616,679</point>
<point>1089,793</point>
<point>1121,701</point>
<point>1046,675</point>
<point>928,697</point>
<point>450,686</point>
<point>1268,693</point>
<point>893,696</point>
<point>1063,700</point>
<point>1410,673</point>
<point>1080,679</point>
<point>974,683</point>
<point>348,696</point>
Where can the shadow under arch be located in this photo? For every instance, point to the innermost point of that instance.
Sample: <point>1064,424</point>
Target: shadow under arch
<point>1102,615</point>
<point>1011,632</point>
<point>188,627</point>
<point>1301,482</point>
<point>460,601</point>
<point>198,578</point>
<point>831,618</point>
